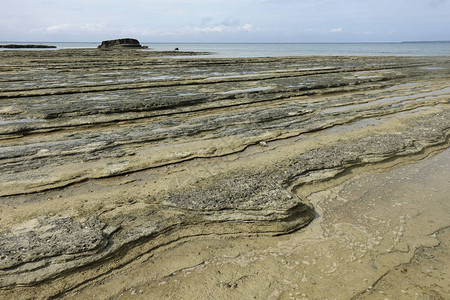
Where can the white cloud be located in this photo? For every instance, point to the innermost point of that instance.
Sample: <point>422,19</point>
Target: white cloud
<point>60,28</point>
<point>91,29</point>
<point>71,27</point>
<point>248,27</point>
<point>335,30</point>
<point>218,28</point>
<point>228,25</point>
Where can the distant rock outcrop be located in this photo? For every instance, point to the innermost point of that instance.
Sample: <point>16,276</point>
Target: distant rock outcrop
<point>121,43</point>
<point>15,46</point>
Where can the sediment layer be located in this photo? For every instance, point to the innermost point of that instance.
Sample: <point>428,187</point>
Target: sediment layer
<point>127,152</point>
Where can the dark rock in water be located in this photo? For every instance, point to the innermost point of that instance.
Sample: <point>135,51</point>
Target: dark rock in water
<point>121,43</point>
<point>176,49</point>
<point>15,46</point>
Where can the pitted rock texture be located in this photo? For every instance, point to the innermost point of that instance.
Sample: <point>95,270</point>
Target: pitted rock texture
<point>49,238</point>
<point>44,247</point>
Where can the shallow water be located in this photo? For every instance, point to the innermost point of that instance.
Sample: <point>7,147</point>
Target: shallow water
<point>285,49</point>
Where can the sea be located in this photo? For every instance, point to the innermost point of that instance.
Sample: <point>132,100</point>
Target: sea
<point>286,49</point>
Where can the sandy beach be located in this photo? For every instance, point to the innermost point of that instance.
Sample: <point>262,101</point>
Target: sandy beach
<point>171,175</point>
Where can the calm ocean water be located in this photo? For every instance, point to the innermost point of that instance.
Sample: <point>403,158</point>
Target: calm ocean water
<point>265,50</point>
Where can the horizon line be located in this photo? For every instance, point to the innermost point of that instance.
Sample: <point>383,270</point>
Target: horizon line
<point>194,42</point>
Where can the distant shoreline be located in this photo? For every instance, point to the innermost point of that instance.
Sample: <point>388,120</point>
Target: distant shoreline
<point>425,42</point>
<point>26,46</point>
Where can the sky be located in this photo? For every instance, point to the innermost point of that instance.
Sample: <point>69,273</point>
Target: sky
<point>228,21</point>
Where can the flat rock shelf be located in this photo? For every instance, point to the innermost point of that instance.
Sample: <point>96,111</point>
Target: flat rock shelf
<point>113,160</point>
<point>25,46</point>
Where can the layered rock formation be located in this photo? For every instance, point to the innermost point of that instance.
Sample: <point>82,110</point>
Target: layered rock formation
<point>120,43</point>
<point>109,158</point>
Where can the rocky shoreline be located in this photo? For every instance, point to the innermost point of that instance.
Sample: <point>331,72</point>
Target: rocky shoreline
<point>109,156</point>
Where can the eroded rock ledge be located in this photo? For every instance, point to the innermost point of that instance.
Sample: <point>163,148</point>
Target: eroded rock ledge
<point>96,175</point>
<point>47,247</point>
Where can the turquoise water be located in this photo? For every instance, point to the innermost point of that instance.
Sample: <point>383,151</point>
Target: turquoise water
<point>322,49</point>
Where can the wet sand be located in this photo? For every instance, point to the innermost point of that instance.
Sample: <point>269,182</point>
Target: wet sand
<point>139,174</point>
<point>380,235</point>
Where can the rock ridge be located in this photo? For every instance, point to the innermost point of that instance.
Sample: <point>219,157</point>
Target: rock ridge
<point>120,43</point>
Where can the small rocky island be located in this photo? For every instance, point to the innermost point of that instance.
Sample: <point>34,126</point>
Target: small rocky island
<point>121,43</point>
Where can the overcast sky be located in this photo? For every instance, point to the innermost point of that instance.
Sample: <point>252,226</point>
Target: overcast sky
<point>225,21</point>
